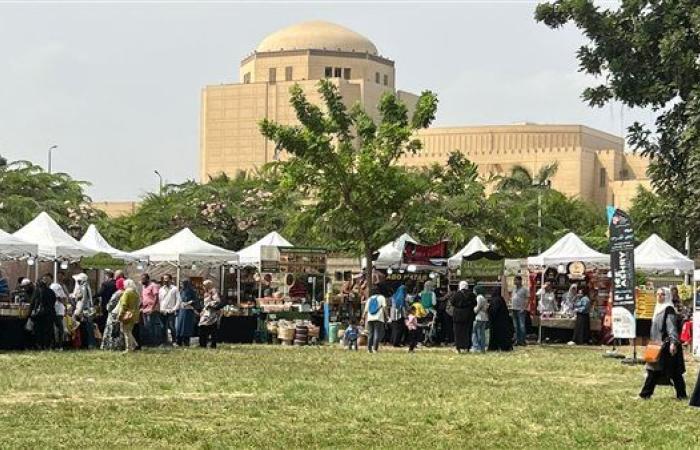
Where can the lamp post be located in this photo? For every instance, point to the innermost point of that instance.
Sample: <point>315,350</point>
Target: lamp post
<point>50,150</point>
<point>160,182</point>
<point>540,184</point>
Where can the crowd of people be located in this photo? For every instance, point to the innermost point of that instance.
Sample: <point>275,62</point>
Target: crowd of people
<point>120,316</point>
<point>408,316</point>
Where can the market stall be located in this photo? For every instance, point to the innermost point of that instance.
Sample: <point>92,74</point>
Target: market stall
<point>658,264</point>
<point>13,315</point>
<point>454,262</point>
<point>54,244</point>
<point>566,262</point>
<point>92,239</point>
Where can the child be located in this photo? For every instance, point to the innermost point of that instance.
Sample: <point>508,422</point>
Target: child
<point>412,325</point>
<point>351,335</point>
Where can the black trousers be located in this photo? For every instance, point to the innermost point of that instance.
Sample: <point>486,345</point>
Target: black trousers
<point>653,378</point>
<point>695,398</point>
<point>208,333</point>
<point>413,336</point>
<point>397,332</point>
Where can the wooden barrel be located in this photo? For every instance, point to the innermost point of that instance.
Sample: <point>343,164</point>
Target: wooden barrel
<point>301,335</point>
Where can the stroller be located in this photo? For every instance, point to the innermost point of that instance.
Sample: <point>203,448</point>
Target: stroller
<point>430,329</point>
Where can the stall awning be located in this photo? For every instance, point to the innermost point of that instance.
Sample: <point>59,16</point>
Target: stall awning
<point>391,254</point>
<point>53,242</point>
<point>95,241</point>
<point>568,249</point>
<point>185,247</point>
<point>655,254</point>
<point>12,247</point>
<point>473,246</point>
<point>251,254</point>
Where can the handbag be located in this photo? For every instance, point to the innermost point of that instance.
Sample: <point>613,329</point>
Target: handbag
<point>653,350</point>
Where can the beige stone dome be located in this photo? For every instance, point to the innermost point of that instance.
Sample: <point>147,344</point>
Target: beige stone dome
<point>317,35</point>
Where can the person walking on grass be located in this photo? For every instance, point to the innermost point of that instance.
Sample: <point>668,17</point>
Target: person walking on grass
<point>375,317</point>
<point>113,336</point>
<point>397,315</point>
<point>670,364</point>
<point>43,311</point>
<point>129,312</point>
<point>169,303</point>
<point>209,319</point>
<point>519,299</point>
<point>149,327</point>
<point>481,319</point>
<point>412,327</point>
<point>184,323</point>
<point>351,335</point>
<point>463,303</point>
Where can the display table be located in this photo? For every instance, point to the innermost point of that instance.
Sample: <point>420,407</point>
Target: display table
<point>12,334</point>
<point>238,329</point>
<point>562,328</point>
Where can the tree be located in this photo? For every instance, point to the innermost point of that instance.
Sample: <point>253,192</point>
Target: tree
<point>26,190</point>
<point>3,162</point>
<point>454,206</point>
<point>521,179</point>
<point>345,164</point>
<point>650,213</point>
<point>229,212</point>
<point>646,54</point>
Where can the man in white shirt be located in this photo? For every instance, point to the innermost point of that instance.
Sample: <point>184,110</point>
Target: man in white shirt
<point>520,298</point>
<point>169,302</point>
<point>374,317</point>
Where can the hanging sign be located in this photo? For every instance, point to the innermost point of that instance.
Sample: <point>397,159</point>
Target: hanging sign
<point>482,269</point>
<point>622,266</point>
<point>424,254</point>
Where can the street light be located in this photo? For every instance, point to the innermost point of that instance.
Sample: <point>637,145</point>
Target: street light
<point>50,149</point>
<point>160,182</point>
<point>540,184</point>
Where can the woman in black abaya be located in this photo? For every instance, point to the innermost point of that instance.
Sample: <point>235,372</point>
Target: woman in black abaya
<point>501,333</point>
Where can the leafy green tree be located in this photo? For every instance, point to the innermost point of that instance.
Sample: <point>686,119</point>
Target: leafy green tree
<point>651,213</point>
<point>521,179</point>
<point>229,212</point>
<point>646,53</point>
<point>26,190</point>
<point>3,162</point>
<point>345,164</point>
<point>454,206</point>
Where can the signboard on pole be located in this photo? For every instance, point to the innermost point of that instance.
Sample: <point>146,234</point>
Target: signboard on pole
<point>622,266</point>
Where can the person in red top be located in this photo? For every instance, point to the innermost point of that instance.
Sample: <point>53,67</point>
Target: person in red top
<point>149,326</point>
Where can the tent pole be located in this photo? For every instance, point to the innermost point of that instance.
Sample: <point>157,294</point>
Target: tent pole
<point>55,270</point>
<point>539,332</point>
<point>177,275</point>
<point>238,285</point>
<point>260,281</point>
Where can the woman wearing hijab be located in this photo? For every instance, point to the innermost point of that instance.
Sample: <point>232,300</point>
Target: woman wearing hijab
<point>129,314</point>
<point>428,298</point>
<point>670,364</point>
<point>567,301</point>
<point>582,328</point>
<point>113,338</point>
<point>463,303</point>
<point>184,322</point>
<point>43,307</point>
<point>481,316</point>
<point>84,308</point>
<point>501,331</point>
<point>397,316</point>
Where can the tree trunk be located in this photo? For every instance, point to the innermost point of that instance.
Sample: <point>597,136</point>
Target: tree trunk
<point>369,266</point>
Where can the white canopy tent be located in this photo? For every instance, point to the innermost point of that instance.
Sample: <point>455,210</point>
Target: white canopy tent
<point>94,240</point>
<point>53,242</point>
<point>473,246</point>
<point>12,247</point>
<point>391,254</point>
<point>184,247</point>
<point>250,256</point>
<point>568,249</point>
<point>655,254</point>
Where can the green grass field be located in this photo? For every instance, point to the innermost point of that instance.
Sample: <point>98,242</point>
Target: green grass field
<point>271,396</point>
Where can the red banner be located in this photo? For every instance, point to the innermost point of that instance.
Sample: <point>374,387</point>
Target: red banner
<point>422,254</point>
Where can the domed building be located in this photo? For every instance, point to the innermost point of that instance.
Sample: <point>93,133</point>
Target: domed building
<point>592,163</point>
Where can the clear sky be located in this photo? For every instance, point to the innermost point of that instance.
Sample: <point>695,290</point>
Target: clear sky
<point>116,85</point>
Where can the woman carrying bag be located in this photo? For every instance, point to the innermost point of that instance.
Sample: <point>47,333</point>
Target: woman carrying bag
<point>664,353</point>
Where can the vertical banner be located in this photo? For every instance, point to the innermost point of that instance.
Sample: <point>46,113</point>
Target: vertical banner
<point>622,266</point>
<point>696,313</point>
